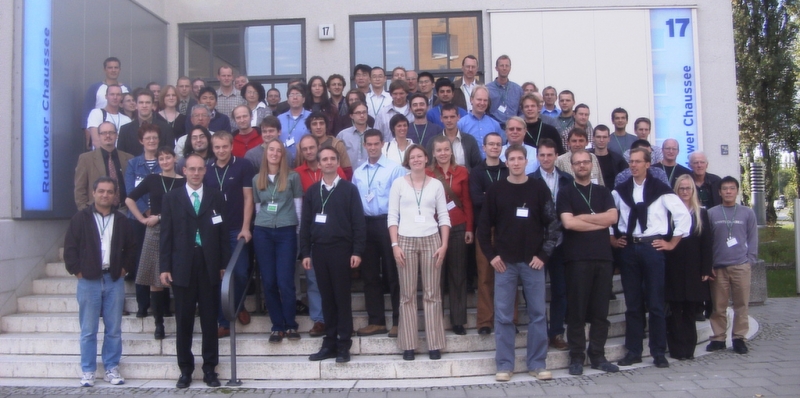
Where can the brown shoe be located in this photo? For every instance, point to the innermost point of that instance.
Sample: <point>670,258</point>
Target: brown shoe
<point>244,317</point>
<point>317,330</point>
<point>369,330</point>
<point>558,343</point>
<point>393,331</point>
<point>223,332</point>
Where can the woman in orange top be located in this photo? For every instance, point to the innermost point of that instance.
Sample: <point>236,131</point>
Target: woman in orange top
<point>455,179</point>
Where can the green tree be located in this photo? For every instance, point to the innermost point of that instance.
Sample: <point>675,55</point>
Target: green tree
<point>764,37</point>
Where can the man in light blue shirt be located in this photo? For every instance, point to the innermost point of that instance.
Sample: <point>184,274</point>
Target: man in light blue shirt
<point>444,91</point>
<point>550,109</point>
<point>374,180</point>
<point>505,94</point>
<point>478,123</point>
<point>293,121</point>
<point>515,132</point>
<point>353,137</point>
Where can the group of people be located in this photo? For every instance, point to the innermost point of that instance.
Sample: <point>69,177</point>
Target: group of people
<point>415,182</point>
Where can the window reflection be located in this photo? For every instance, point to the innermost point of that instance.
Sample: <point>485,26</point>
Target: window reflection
<point>399,44</point>
<point>288,50</point>
<point>369,43</point>
<point>258,50</point>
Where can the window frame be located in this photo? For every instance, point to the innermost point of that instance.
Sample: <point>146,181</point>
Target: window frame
<point>273,79</point>
<point>415,17</point>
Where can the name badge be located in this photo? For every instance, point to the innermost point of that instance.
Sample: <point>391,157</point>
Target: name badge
<point>216,219</point>
<point>258,207</point>
<point>451,205</point>
<point>272,207</point>
<point>731,242</point>
<point>419,219</point>
<point>522,212</point>
<point>594,181</point>
<point>289,142</point>
<point>368,197</point>
<point>501,109</point>
<point>138,181</point>
<point>320,218</point>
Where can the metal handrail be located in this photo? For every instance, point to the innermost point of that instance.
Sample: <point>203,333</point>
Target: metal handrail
<point>230,307</point>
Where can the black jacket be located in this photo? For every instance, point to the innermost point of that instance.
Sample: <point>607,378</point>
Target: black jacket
<point>129,136</point>
<point>178,226</point>
<point>82,245</point>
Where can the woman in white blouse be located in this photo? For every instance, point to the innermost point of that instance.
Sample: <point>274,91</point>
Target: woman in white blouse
<point>395,149</point>
<point>419,242</point>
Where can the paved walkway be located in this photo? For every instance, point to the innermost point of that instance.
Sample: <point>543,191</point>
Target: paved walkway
<point>771,369</point>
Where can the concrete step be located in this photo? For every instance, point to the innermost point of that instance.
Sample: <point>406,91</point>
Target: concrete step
<point>298,367</point>
<point>68,322</point>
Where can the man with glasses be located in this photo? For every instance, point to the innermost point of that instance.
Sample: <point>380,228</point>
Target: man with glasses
<point>578,139</point>
<point>466,83</point>
<point>708,185</point>
<point>294,121</point>
<point>515,133</point>
<point>353,137</point>
<point>106,160</point>
<point>426,88</point>
<point>199,116</point>
<point>644,231</point>
<point>671,149</point>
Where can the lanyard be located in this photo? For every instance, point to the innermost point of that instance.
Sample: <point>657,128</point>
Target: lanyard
<point>165,185</point>
<point>490,176</point>
<point>418,197</point>
<point>729,224</point>
<point>621,149</point>
<point>105,221</point>
<point>369,180</point>
<point>584,197</point>
<point>272,195</point>
<point>325,200</point>
<point>316,176</point>
<point>671,173</point>
<point>296,122</point>
<point>421,137</point>
<point>372,102</point>
<point>537,135</point>
<point>399,152</point>
<point>221,181</point>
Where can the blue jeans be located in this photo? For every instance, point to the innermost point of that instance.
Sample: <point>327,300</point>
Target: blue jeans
<point>505,294</point>
<point>643,281</point>
<point>239,275</point>
<point>558,293</point>
<point>93,296</point>
<point>276,252</point>
<point>314,297</point>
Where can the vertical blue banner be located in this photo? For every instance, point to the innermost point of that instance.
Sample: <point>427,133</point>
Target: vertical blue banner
<point>674,79</point>
<point>37,143</point>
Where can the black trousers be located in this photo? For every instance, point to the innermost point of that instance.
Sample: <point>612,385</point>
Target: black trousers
<point>588,291</point>
<point>332,266</point>
<point>681,328</point>
<point>379,259</point>
<point>205,295</point>
<point>455,265</point>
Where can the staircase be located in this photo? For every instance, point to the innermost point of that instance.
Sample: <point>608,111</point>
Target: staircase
<point>42,341</point>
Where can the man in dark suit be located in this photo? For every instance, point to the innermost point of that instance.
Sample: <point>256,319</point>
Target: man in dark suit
<point>465,146</point>
<point>195,248</point>
<point>129,133</point>
<point>95,164</point>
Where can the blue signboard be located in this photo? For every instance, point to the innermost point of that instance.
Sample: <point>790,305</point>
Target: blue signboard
<point>674,79</point>
<point>37,141</point>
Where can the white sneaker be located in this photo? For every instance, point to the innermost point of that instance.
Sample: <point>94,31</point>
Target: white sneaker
<point>112,376</point>
<point>541,374</point>
<point>502,376</point>
<point>87,380</point>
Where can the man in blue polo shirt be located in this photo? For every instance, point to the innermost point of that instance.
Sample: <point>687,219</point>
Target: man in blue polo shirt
<point>234,178</point>
<point>294,121</point>
<point>444,91</point>
<point>504,93</point>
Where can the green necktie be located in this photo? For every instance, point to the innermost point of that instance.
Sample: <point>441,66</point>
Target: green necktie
<point>196,204</point>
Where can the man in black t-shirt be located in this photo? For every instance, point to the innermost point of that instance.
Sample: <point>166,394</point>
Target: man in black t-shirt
<point>611,163</point>
<point>586,211</point>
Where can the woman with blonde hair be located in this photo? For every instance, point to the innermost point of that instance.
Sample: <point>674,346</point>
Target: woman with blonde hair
<point>419,228</point>
<point>279,193</point>
<point>168,102</point>
<point>688,269</point>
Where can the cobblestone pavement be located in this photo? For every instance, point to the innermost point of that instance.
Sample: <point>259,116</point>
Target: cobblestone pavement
<point>771,369</point>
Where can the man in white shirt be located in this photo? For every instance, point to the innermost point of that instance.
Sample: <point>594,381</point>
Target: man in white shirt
<point>643,234</point>
<point>109,113</point>
<point>515,133</point>
<point>577,139</point>
<point>377,97</point>
<point>96,94</point>
<point>466,83</point>
<point>398,106</point>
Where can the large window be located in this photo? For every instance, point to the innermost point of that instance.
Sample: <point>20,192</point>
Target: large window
<point>269,52</point>
<point>424,42</point>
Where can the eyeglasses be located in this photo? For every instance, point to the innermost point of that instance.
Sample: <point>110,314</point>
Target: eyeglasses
<point>360,113</point>
<point>581,162</point>
<point>666,148</point>
<point>514,128</point>
<point>294,95</point>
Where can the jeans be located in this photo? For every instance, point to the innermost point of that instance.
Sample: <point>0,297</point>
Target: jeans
<point>276,251</point>
<point>558,293</point>
<point>239,275</point>
<point>93,296</point>
<point>505,294</point>
<point>314,297</point>
<point>643,281</point>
